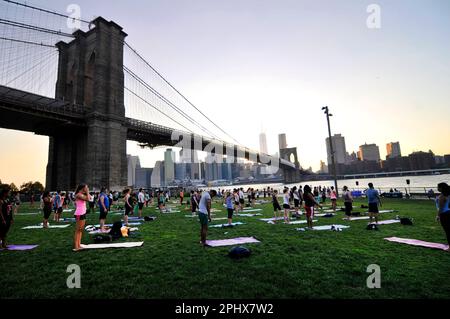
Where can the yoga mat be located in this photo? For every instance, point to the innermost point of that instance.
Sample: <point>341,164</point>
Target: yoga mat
<point>19,247</point>
<point>252,210</point>
<point>67,210</point>
<point>416,242</point>
<point>218,218</point>
<point>384,211</point>
<point>388,221</point>
<point>24,214</point>
<point>271,219</point>
<point>123,224</point>
<point>322,215</point>
<point>294,222</point>
<point>226,225</point>
<point>50,226</point>
<point>249,215</point>
<point>358,218</point>
<point>232,241</point>
<point>215,210</point>
<point>326,227</point>
<point>170,212</point>
<point>98,231</point>
<point>115,245</point>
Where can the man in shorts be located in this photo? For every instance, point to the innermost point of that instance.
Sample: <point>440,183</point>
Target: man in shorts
<point>241,199</point>
<point>374,200</point>
<point>141,201</point>
<point>204,213</point>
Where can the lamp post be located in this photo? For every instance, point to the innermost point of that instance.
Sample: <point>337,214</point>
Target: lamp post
<point>333,164</point>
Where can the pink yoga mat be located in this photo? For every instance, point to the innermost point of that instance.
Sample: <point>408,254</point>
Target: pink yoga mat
<point>416,242</point>
<point>232,241</point>
<point>20,247</point>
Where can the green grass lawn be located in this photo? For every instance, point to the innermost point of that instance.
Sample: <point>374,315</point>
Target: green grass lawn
<point>286,264</point>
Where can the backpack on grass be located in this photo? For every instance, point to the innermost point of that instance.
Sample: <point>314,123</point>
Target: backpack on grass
<point>239,252</point>
<point>116,231</point>
<point>406,221</point>
<point>102,238</point>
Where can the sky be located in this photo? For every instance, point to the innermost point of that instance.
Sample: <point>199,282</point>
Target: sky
<point>271,66</point>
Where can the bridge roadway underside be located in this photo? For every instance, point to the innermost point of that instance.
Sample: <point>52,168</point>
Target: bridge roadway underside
<point>77,140</point>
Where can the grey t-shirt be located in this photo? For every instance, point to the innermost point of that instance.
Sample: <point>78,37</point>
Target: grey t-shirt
<point>204,203</point>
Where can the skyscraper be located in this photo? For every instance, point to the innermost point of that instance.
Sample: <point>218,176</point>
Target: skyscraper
<point>132,163</point>
<point>282,144</point>
<point>169,166</point>
<point>156,180</point>
<point>369,152</point>
<point>263,143</point>
<point>340,152</point>
<point>393,150</point>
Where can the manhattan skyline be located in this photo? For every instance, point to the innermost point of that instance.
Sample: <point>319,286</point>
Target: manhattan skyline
<point>278,63</point>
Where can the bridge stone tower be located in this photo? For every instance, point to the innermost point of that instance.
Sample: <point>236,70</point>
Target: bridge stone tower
<point>291,175</point>
<point>90,74</point>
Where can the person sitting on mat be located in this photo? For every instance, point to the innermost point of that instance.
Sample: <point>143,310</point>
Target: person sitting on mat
<point>229,200</point>
<point>47,199</point>
<point>276,205</point>
<point>310,203</point>
<point>204,213</point>
<point>6,216</point>
<point>374,200</point>
<point>81,197</point>
<point>348,202</point>
<point>443,207</point>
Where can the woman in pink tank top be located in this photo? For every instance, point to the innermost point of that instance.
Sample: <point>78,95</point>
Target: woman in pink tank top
<point>81,197</point>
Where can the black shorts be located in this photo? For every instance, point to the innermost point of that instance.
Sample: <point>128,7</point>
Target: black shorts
<point>241,201</point>
<point>230,212</point>
<point>194,208</point>
<point>373,208</point>
<point>59,210</point>
<point>80,217</point>
<point>236,203</point>
<point>348,208</point>
<point>140,205</point>
<point>276,207</point>
<point>91,204</point>
<point>4,228</point>
<point>296,203</point>
<point>127,210</point>
<point>47,213</point>
<point>286,206</point>
<point>103,213</point>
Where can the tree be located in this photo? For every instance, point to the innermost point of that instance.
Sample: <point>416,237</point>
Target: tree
<point>31,187</point>
<point>13,188</point>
